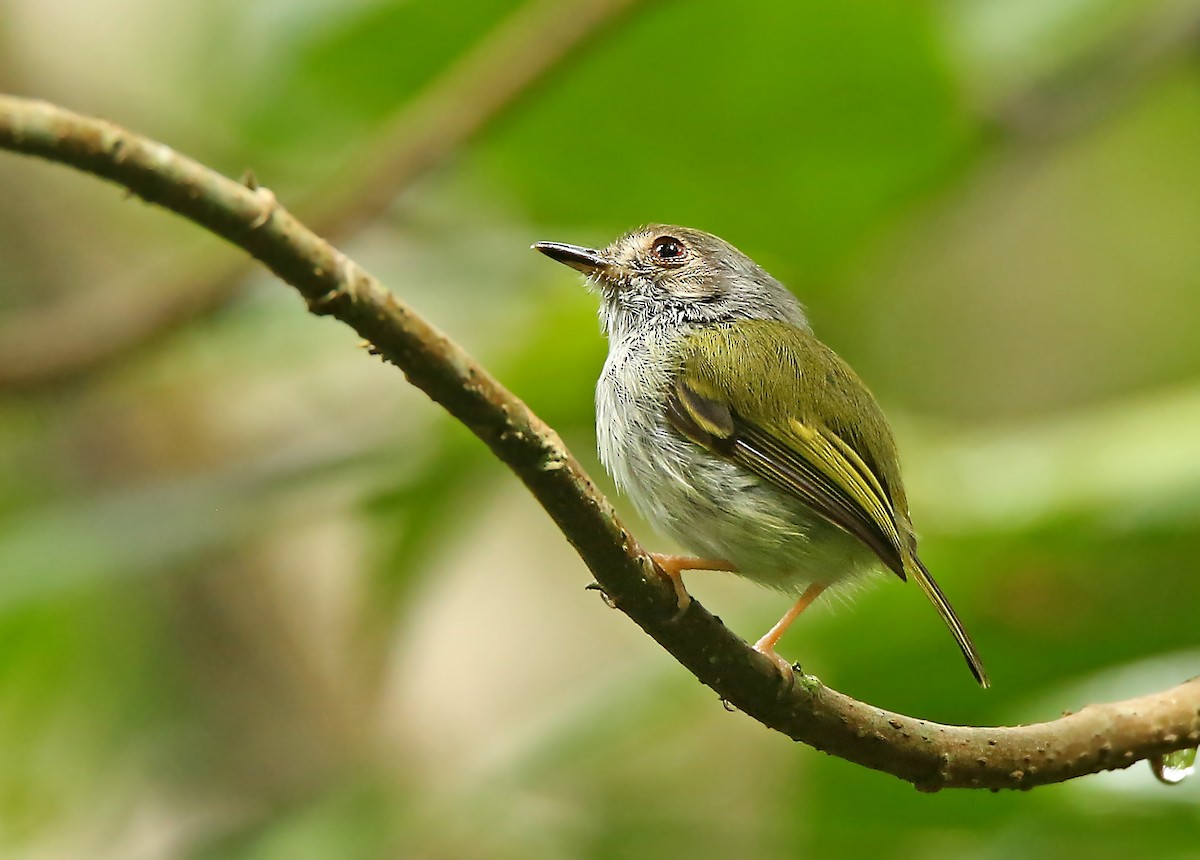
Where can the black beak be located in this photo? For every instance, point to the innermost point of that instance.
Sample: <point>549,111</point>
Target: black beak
<point>584,260</point>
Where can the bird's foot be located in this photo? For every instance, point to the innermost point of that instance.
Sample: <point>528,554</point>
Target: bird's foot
<point>786,670</point>
<point>674,566</point>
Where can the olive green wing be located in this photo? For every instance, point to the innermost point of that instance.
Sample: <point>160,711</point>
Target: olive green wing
<point>773,399</point>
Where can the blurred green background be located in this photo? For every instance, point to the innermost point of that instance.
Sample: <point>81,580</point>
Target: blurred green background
<point>260,600</point>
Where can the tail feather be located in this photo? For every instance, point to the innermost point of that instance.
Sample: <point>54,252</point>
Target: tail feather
<point>921,574</point>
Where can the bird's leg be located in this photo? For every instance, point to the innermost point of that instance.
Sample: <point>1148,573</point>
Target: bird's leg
<point>674,566</point>
<point>766,645</point>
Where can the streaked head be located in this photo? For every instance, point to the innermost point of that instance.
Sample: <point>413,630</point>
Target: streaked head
<point>676,275</point>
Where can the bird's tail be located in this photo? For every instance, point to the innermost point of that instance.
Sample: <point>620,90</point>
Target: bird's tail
<point>921,574</point>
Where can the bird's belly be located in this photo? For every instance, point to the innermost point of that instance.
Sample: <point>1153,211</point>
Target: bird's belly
<point>718,510</point>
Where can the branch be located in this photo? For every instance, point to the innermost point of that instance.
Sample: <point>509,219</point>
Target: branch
<point>929,755</point>
<point>78,335</point>
<point>1101,83</point>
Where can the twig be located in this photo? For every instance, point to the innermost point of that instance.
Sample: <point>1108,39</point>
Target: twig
<point>84,332</point>
<point>1101,83</point>
<point>929,755</point>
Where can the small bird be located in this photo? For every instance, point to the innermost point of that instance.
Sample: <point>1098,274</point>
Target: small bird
<point>739,434</point>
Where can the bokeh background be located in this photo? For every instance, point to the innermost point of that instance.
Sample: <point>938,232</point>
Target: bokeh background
<point>260,600</point>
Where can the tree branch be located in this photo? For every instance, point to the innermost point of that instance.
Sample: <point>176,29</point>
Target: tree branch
<point>472,93</point>
<point>929,755</point>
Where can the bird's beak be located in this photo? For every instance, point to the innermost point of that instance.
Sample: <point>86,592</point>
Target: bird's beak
<point>585,260</point>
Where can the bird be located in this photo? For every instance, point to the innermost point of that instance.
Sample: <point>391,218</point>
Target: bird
<point>737,433</point>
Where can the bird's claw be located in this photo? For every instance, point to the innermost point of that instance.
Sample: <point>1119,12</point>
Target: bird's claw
<point>787,670</point>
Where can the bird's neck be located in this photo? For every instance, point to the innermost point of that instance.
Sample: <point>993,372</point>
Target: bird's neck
<point>625,320</point>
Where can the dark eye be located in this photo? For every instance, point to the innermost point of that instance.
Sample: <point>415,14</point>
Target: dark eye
<point>669,250</point>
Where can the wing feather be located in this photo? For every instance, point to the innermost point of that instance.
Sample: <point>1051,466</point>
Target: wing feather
<point>806,463</point>
<point>808,426</point>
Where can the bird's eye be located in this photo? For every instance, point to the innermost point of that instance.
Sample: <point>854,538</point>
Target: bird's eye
<point>669,250</point>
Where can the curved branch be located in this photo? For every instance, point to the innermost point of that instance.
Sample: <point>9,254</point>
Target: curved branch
<point>71,338</point>
<point>929,755</point>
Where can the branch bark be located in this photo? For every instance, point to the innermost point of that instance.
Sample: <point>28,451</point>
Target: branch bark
<point>929,755</point>
<point>71,338</point>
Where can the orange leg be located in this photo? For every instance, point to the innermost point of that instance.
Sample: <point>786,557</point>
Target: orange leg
<point>766,645</point>
<point>674,566</point>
